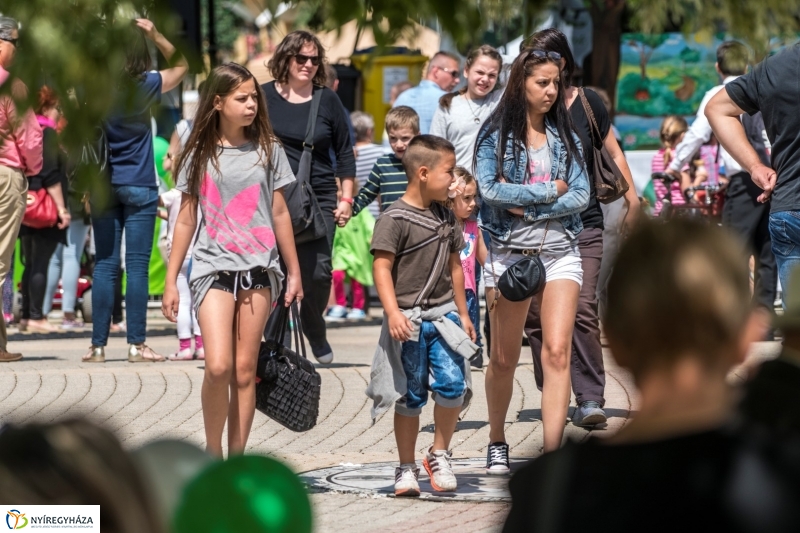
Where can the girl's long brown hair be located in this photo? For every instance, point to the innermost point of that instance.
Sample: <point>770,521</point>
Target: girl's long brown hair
<point>203,145</point>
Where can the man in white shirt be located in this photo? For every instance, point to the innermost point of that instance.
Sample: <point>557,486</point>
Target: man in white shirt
<point>743,213</point>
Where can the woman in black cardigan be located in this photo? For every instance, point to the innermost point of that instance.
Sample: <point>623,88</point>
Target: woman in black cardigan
<point>38,245</point>
<point>298,69</point>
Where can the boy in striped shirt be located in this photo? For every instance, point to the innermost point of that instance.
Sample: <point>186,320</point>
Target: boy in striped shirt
<point>388,177</point>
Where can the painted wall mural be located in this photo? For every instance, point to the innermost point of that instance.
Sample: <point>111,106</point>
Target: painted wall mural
<point>661,74</point>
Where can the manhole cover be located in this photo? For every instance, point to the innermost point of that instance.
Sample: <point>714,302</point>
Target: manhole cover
<point>378,479</point>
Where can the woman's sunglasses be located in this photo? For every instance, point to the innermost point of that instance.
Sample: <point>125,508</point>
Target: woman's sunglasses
<point>541,54</point>
<point>12,41</point>
<point>302,60</point>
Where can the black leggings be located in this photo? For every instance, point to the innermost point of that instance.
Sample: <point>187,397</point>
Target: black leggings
<point>36,253</point>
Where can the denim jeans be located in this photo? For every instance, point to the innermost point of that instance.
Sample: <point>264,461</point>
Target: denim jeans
<point>474,310</point>
<point>134,210</point>
<point>784,228</point>
<point>66,266</point>
<point>431,364</point>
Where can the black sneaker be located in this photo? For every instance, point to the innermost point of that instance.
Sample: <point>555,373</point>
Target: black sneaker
<point>497,459</point>
<point>588,414</point>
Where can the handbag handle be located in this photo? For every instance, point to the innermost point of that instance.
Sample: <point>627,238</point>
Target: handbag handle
<point>282,323</point>
<point>297,329</point>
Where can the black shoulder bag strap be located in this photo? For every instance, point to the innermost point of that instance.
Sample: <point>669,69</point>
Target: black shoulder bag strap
<point>308,143</point>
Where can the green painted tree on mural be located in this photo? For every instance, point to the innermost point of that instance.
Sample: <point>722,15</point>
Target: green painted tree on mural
<point>689,55</point>
<point>646,44</point>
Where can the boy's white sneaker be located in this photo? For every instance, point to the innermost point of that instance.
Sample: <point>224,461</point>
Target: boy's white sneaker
<point>437,464</point>
<point>405,480</point>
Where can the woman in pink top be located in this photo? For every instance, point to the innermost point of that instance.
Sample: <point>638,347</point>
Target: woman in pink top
<point>672,130</point>
<point>20,156</point>
<point>463,203</point>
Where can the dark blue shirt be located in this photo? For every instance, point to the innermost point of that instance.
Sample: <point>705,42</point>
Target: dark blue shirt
<point>130,135</point>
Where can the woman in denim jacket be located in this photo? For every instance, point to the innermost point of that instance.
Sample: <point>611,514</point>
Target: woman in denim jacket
<point>531,203</point>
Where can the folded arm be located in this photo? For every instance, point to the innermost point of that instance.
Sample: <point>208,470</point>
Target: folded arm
<point>504,195</point>
<point>574,201</point>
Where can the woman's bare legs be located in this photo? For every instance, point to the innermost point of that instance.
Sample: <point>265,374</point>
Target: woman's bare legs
<point>506,320</point>
<point>217,328</point>
<point>559,304</point>
<point>252,311</point>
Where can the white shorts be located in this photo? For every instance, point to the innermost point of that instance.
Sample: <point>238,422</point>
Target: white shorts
<point>561,266</point>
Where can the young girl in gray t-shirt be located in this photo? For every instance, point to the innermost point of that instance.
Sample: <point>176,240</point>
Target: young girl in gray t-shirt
<point>235,170</point>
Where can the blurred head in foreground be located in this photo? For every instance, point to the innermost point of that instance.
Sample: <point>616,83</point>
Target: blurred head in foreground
<point>75,463</point>
<point>680,294</point>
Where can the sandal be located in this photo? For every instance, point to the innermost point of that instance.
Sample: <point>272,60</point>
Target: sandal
<point>96,354</point>
<point>182,355</point>
<point>142,353</point>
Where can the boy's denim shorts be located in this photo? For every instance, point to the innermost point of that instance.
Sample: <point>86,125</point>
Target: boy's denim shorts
<point>431,365</point>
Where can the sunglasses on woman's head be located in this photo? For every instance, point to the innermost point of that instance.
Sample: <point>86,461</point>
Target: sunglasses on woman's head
<point>302,60</point>
<point>541,54</point>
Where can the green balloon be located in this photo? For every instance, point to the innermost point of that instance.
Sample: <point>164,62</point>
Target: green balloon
<point>250,494</point>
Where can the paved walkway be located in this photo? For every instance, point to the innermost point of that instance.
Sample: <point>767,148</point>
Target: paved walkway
<point>144,402</point>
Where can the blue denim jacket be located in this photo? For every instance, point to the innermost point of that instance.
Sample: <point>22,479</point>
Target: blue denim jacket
<point>540,200</point>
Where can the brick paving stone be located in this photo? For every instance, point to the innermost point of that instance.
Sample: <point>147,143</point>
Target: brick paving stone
<point>147,401</point>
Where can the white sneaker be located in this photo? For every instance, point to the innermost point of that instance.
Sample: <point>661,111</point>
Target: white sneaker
<point>336,313</point>
<point>497,459</point>
<point>324,359</point>
<point>405,480</point>
<point>437,464</point>
<point>356,314</point>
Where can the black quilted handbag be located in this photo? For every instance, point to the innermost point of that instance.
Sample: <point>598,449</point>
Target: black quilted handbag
<point>289,387</point>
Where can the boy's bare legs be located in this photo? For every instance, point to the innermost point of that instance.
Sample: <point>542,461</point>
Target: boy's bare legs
<point>558,303</point>
<point>406,429</point>
<point>445,420</point>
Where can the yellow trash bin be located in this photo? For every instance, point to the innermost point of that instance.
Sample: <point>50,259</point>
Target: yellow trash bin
<point>380,73</point>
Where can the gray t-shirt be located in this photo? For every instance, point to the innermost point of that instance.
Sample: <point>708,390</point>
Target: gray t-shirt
<point>236,231</point>
<point>460,124</point>
<point>529,235</point>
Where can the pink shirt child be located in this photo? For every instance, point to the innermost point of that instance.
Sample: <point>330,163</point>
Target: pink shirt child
<point>468,254</point>
<point>676,196</point>
<point>20,137</point>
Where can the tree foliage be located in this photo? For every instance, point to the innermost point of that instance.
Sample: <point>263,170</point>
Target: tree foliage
<point>226,24</point>
<point>754,21</point>
<point>78,48</point>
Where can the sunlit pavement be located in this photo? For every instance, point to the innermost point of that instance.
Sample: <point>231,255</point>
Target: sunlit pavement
<point>147,401</point>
